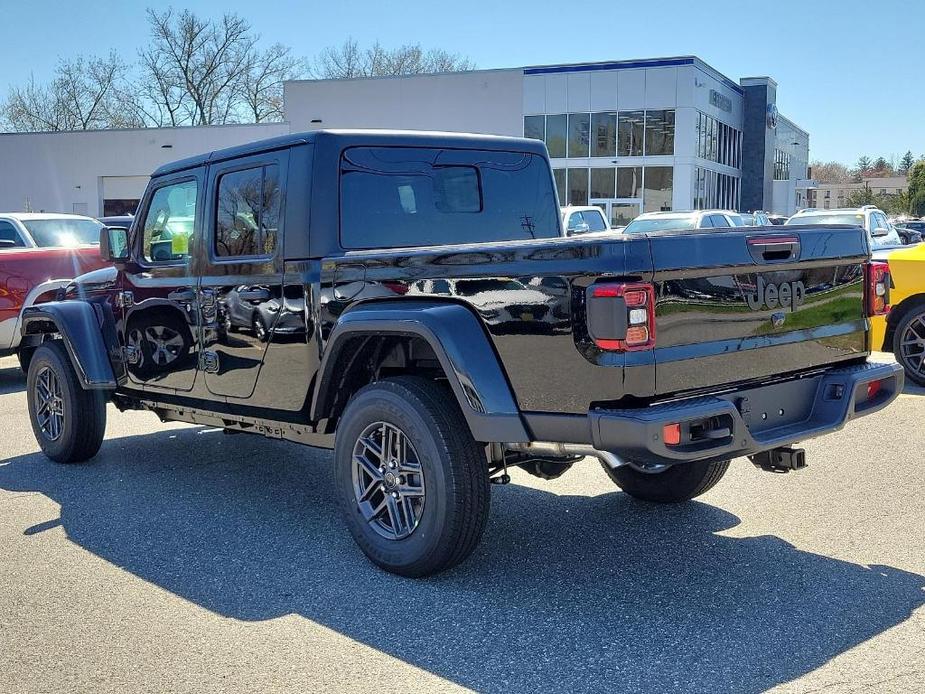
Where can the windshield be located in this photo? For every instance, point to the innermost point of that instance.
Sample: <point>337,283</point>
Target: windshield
<point>63,232</point>
<point>640,226</point>
<point>834,218</point>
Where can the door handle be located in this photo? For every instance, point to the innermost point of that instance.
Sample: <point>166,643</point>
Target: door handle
<point>255,294</point>
<point>182,295</point>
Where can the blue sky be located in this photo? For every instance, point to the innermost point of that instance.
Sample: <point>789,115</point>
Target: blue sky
<point>850,72</point>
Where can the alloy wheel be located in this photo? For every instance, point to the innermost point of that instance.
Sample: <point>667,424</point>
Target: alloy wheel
<point>388,481</point>
<point>912,345</point>
<point>166,344</point>
<point>49,404</point>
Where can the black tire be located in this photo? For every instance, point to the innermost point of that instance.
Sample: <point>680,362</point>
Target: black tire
<point>82,422</point>
<point>25,358</point>
<point>911,356</point>
<point>454,467</point>
<point>680,482</point>
<point>546,469</point>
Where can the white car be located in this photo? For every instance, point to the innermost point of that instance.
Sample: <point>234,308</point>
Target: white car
<point>682,220</point>
<point>583,220</point>
<point>881,233</point>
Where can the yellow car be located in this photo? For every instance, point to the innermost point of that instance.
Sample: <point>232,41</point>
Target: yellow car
<point>902,330</point>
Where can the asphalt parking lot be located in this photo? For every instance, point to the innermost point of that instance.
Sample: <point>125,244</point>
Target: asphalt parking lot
<point>182,560</point>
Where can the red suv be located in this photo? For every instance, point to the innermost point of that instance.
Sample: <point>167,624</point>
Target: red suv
<point>40,253</point>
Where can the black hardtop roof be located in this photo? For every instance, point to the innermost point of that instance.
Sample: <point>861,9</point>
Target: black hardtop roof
<point>348,138</point>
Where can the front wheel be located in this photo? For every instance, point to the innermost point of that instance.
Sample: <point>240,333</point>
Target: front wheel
<point>68,421</point>
<point>909,344</point>
<point>680,482</point>
<point>411,482</point>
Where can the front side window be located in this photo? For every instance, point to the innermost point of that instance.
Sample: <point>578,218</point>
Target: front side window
<point>9,234</point>
<point>169,222</point>
<point>247,212</point>
<point>394,197</point>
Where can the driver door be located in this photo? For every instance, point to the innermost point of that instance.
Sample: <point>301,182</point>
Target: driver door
<point>160,318</point>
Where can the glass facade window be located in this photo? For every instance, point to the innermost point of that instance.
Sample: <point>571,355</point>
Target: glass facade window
<point>556,134</point>
<point>579,134</point>
<point>622,182</point>
<point>659,132</point>
<point>602,183</point>
<point>714,190</point>
<point>781,165</point>
<point>535,127</point>
<point>630,133</point>
<point>657,193</point>
<point>607,134</point>
<point>577,187</point>
<point>559,177</point>
<point>603,134</point>
<point>629,182</point>
<point>718,142</point>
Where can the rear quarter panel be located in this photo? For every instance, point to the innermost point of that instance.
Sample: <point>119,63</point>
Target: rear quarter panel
<point>907,272</point>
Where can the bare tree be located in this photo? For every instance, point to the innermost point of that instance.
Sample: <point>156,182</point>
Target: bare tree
<point>83,95</point>
<point>197,65</point>
<point>261,84</point>
<point>349,60</point>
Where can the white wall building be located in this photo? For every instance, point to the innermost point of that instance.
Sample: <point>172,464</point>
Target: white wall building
<point>632,136</point>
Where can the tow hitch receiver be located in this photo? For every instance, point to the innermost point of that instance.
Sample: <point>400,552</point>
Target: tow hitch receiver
<point>780,459</point>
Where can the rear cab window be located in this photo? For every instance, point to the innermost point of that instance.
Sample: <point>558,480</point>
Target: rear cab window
<point>393,197</point>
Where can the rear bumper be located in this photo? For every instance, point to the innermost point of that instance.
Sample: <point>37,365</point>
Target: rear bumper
<point>743,421</point>
<point>749,420</point>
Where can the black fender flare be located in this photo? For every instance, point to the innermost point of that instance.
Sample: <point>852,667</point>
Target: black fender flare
<point>458,339</point>
<point>81,327</point>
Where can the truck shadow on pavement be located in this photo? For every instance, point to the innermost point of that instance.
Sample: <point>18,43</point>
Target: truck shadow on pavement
<point>564,593</point>
<point>12,380</point>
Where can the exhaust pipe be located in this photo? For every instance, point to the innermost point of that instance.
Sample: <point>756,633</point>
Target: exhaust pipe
<point>611,460</point>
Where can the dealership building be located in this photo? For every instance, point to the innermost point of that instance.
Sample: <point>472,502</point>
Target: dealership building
<point>631,136</point>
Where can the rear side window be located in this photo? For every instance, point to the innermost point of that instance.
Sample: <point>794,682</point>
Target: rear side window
<point>415,196</point>
<point>247,214</point>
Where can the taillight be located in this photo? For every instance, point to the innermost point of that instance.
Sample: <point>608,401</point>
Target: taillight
<point>621,316</point>
<point>878,288</point>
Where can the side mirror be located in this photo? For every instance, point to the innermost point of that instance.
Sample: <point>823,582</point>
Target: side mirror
<point>579,228</point>
<point>114,244</point>
<point>880,231</point>
<point>7,243</point>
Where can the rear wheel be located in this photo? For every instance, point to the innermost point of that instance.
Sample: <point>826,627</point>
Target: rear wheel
<point>68,421</point>
<point>680,482</point>
<point>411,481</point>
<point>909,344</point>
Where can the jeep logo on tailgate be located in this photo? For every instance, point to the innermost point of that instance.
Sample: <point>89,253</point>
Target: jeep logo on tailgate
<point>770,295</point>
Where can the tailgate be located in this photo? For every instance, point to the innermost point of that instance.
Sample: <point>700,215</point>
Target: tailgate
<point>743,305</point>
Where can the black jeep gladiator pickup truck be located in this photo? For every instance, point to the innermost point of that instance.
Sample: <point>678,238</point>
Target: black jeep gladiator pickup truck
<point>409,299</point>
